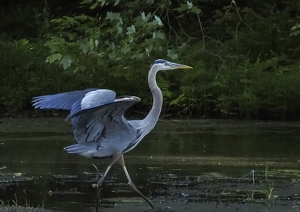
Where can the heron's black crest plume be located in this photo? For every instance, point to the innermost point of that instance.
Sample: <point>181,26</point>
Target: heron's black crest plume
<point>158,61</point>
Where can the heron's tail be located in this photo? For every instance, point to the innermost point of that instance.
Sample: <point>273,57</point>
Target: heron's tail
<point>84,150</point>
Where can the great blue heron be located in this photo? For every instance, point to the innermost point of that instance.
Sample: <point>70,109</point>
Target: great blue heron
<point>99,125</point>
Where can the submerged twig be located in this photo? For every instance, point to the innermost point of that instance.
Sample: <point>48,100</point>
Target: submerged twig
<point>95,167</point>
<point>253,176</point>
<point>4,167</point>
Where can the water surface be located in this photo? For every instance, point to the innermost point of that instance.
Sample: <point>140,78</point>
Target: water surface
<point>39,171</point>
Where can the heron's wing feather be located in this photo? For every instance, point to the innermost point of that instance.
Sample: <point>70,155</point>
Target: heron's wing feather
<point>92,99</point>
<point>97,98</point>
<point>64,101</point>
<point>90,123</point>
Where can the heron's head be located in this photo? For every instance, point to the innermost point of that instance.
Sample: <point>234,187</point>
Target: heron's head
<point>161,64</point>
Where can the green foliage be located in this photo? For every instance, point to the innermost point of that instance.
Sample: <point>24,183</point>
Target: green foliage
<point>116,37</point>
<point>295,30</point>
<point>18,61</point>
<point>24,74</point>
<point>250,69</point>
<point>245,56</point>
<point>19,22</point>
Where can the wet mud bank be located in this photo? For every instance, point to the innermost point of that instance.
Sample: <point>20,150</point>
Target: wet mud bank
<point>269,190</point>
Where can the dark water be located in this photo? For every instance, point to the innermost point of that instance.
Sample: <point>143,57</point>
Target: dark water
<point>40,173</point>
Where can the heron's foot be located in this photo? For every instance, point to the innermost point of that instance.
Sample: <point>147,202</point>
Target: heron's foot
<point>99,183</point>
<point>140,193</point>
<point>99,187</point>
<point>98,176</point>
<point>98,195</point>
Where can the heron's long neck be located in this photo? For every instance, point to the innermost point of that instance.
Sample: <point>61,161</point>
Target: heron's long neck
<point>153,116</point>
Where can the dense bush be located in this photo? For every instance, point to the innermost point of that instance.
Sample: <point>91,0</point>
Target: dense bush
<point>24,74</point>
<point>245,57</point>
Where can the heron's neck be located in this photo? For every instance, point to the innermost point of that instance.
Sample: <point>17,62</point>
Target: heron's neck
<point>154,113</point>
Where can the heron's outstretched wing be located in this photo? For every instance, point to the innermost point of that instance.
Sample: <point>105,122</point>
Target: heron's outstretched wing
<point>64,101</point>
<point>94,113</point>
<point>75,100</point>
<point>90,123</point>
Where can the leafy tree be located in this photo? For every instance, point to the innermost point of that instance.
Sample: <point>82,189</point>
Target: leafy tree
<point>245,54</point>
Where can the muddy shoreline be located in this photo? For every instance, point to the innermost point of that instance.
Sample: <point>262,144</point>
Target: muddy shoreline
<point>277,191</point>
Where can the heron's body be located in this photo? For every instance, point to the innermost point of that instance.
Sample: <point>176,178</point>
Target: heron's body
<point>101,136</point>
<point>99,126</point>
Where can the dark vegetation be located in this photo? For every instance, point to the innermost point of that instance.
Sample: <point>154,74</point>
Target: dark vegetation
<point>245,54</point>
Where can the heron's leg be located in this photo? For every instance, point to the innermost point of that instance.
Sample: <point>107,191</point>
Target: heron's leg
<point>122,162</point>
<point>99,185</point>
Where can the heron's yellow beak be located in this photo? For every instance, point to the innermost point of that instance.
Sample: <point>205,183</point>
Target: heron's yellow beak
<point>183,67</point>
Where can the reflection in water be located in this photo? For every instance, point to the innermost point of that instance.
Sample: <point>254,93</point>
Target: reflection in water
<point>214,144</point>
<point>40,171</point>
